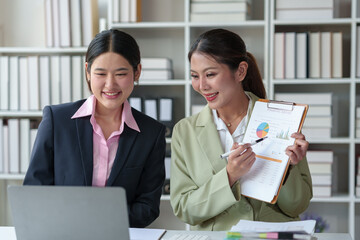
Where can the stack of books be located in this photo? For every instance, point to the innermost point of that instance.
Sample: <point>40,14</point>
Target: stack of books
<point>320,166</point>
<point>357,188</point>
<point>71,23</point>
<point>216,10</point>
<point>305,9</point>
<point>126,11</point>
<point>308,55</point>
<point>156,69</point>
<point>318,121</point>
<point>17,137</point>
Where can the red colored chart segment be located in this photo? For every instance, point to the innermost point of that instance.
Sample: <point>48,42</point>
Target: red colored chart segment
<point>262,130</point>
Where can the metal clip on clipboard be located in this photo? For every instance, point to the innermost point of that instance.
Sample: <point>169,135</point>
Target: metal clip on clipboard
<point>280,105</point>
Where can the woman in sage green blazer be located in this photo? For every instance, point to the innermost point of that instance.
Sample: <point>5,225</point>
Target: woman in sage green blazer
<point>205,190</point>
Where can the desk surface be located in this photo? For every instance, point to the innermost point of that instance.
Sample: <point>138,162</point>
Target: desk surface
<point>8,233</point>
<point>221,235</point>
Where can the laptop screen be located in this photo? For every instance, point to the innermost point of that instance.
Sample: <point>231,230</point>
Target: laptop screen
<point>69,212</point>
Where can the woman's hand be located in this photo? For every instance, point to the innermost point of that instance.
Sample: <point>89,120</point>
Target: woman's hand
<point>297,151</point>
<point>239,162</point>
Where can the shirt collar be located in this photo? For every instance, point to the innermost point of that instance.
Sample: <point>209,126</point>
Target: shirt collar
<point>88,109</point>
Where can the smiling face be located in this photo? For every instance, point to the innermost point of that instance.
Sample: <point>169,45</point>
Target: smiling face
<point>112,80</point>
<point>220,86</point>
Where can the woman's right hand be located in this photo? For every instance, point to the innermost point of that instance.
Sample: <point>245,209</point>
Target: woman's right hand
<point>239,162</point>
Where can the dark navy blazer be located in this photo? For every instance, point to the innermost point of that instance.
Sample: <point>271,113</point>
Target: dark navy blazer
<point>63,155</point>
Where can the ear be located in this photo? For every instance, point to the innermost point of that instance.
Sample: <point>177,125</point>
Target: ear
<point>137,73</point>
<point>242,71</point>
<point>87,73</point>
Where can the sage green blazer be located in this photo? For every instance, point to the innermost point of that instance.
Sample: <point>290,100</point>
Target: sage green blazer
<point>200,193</point>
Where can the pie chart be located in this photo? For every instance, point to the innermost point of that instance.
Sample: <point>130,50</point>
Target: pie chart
<point>262,130</point>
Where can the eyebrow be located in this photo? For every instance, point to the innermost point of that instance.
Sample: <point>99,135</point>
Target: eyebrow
<point>118,69</point>
<point>206,69</point>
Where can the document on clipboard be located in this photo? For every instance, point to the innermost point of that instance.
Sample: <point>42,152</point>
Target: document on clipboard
<point>276,120</point>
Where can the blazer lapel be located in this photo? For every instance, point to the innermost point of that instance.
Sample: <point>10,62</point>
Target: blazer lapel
<point>209,140</point>
<point>85,139</point>
<point>126,141</point>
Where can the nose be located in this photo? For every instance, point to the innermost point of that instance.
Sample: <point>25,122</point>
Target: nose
<point>110,80</point>
<point>203,83</point>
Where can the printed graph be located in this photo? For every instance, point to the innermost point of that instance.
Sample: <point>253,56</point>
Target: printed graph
<point>262,130</point>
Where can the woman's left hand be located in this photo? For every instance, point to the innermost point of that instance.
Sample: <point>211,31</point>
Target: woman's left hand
<point>297,151</point>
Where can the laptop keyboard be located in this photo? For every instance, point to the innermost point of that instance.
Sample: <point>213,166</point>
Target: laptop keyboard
<point>185,236</point>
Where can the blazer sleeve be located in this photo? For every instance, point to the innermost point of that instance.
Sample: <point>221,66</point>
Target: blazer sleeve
<point>41,167</point>
<point>296,193</point>
<point>145,207</point>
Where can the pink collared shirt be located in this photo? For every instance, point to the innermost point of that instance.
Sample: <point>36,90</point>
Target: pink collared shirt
<point>104,151</point>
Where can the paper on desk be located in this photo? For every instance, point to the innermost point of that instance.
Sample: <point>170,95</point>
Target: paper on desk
<point>305,227</point>
<point>146,233</point>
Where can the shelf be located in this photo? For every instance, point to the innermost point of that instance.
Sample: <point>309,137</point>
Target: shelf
<point>21,114</point>
<point>335,21</point>
<point>149,24</point>
<point>34,50</point>
<point>313,81</point>
<point>12,176</point>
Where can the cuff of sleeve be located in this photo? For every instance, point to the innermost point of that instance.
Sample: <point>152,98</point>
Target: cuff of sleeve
<point>236,190</point>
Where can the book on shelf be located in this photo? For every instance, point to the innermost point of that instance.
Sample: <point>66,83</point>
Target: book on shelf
<point>2,145</point>
<point>307,4</point>
<point>151,107</point>
<point>44,75</point>
<point>321,179</point>
<point>89,20</point>
<point>302,59</point>
<point>290,43</point>
<point>5,141</point>
<point>337,55</point>
<point>166,114</point>
<point>76,77</point>
<point>115,8</point>
<point>161,74</point>
<point>49,25</point>
<point>314,55</point>
<point>219,7</point>
<point>24,144</point>
<point>320,156</point>
<point>326,54</point>
<point>219,17</point>
<point>14,83</point>
<point>55,79</point>
<point>55,12</point>
<point>296,14</point>
<point>75,23</point>
<point>320,168</point>
<point>24,90</point>
<point>321,191</point>
<point>64,16</point>
<point>65,78</point>
<point>279,55</point>
<point>166,187</point>
<point>357,51</point>
<point>124,10</point>
<point>307,98</point>
<point>14,141</point>
<point>4,82</point>
<point>156,63</point>
<point>137,103</point>
<point>135,11</point>
<point>319,110</point>
<point>312,133</point>
<point>33,78</point>
<point>323,121</point>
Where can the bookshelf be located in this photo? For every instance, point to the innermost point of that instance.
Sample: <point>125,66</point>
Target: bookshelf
<point>166,31</point>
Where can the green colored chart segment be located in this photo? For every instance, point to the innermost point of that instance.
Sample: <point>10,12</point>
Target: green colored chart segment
<point>262,130</point>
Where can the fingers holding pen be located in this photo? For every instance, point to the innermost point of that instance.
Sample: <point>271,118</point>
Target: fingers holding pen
<point>239,162</point>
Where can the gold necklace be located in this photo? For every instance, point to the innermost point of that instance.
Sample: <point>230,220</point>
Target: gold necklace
<point>229,123</point>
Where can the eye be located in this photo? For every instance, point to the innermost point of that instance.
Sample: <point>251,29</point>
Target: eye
<point>120,74</point>
<point>100,74</point>
<point>209,75</point>
<point>193,76</point>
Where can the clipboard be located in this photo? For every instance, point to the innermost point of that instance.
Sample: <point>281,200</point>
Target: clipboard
<point>277,120</point>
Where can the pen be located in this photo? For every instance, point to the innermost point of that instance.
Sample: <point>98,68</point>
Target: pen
<point>225,155</point>
<point>270,235</point>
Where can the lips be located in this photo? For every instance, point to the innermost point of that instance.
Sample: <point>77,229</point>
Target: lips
<point>211,97</point>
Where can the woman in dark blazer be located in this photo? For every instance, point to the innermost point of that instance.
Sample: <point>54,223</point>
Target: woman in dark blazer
<point>102,141</point>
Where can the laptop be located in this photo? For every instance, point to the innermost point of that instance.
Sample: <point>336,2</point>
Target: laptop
<point>69,212</point>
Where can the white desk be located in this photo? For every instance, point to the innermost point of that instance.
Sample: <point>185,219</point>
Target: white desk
<point>8,233</point>
<point>221,235</point>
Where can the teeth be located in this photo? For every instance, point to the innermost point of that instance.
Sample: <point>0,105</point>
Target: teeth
<point>111,94</point>
<point>212,95</point>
